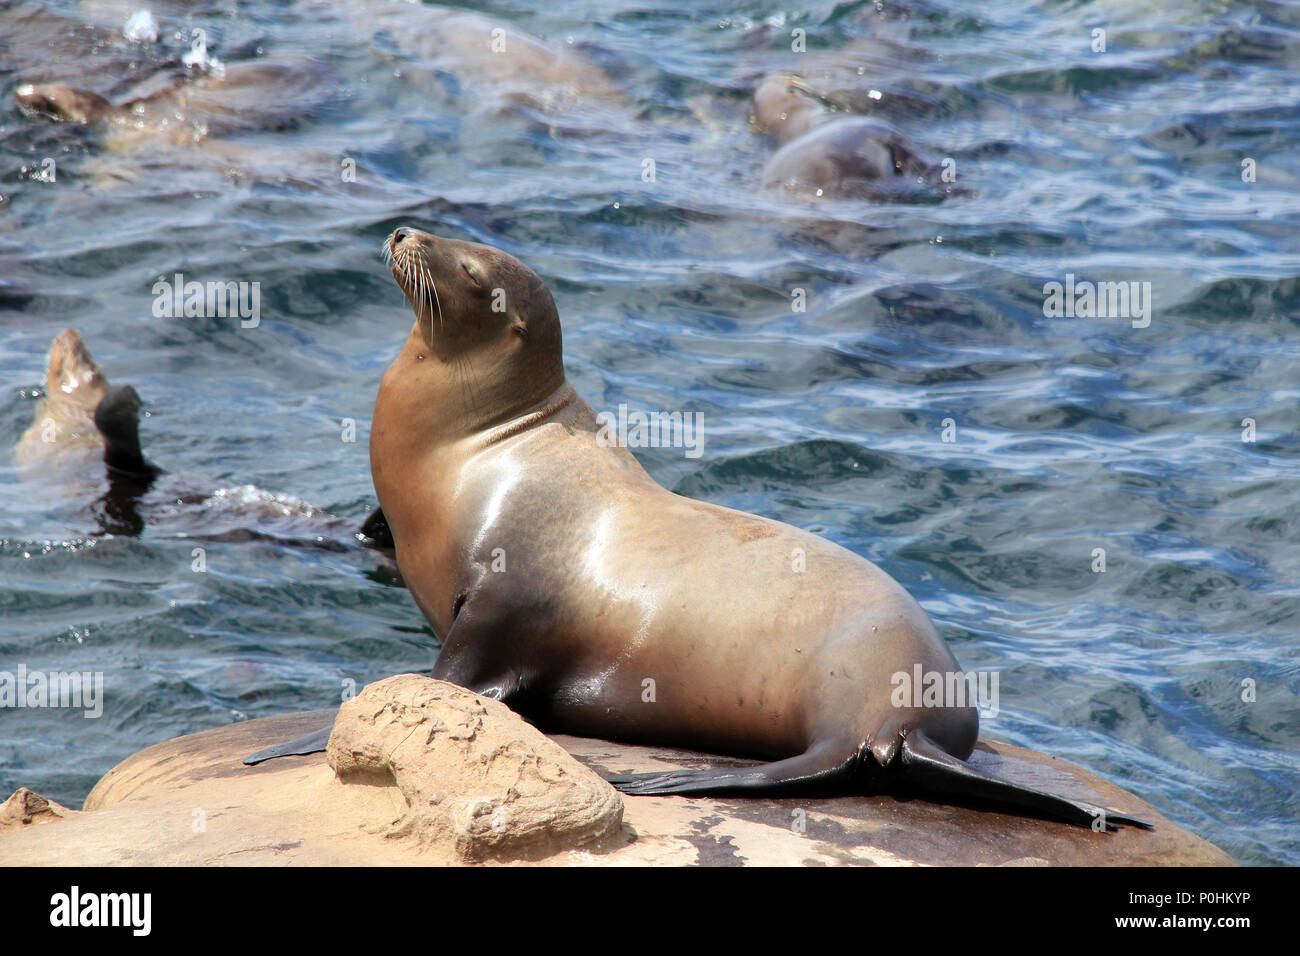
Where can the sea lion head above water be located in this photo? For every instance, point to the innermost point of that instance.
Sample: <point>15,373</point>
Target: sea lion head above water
<point>63,104</point>
<point>783,107</point>
<point>191,106</point>
<point>72,374</point>
<point>486,343</point>
<point>829,151</point>
<point>74,386</point>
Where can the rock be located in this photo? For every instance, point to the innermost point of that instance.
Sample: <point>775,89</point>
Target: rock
<point>191,801</point>
<point>888,829</point>
<point>26,808</point>
<point>471,771</point>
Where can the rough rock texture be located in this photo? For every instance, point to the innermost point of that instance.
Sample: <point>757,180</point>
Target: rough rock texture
<point>191,801</point>
<point>472,773</point>
<point>26,808</point>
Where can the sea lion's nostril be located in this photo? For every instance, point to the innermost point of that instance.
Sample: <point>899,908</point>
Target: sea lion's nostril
<point>399,235</point>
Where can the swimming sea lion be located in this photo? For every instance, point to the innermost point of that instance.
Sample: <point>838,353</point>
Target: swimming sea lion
<point>189,107</point>
<point>63,104</point>
<point>490,66</point>
<point>81,419</point>
<point>567,583</point>
<point>63,424</point>
<point>825,153</point>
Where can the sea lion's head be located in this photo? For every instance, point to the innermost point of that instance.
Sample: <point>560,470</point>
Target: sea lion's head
<point>71,374</point>
<point>782,106</point>
<point>486,341</point>
<point>63,104</point>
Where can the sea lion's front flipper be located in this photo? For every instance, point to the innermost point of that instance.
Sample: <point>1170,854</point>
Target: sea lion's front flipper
<point>377,530</point>
<point>312,743</point>
<point>117,416</point>
<point>809,770</point>
<point>934,770</point>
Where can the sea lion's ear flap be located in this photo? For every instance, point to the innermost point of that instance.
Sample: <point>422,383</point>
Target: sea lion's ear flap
<point>474,271</point>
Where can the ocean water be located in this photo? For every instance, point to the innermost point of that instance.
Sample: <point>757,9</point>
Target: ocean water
<point>1170,159</point>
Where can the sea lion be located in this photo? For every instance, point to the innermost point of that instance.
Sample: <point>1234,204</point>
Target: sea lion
<point>158,122</point>
<point>81,412</point>
<point>570,585</point>
<point>188,107</point>
<point>827,153</point>
<point>81,418</point>
<point>63,104</point>
<point>487,65</point>
<point>63,425</point>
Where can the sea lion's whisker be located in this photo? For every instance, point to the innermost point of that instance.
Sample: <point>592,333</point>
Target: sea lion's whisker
<point>413,287</point>
<point>425,312</point>
<point>433,286</point>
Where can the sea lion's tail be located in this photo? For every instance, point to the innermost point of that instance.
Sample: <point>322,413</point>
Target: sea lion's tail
<point>934,770</point>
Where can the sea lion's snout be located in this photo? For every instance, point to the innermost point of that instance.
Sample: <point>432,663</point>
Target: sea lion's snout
<point>406,250</point>
<point>70,369</point>
<point>404,242</point>
<point>61,103</point>
<point>31,100</point>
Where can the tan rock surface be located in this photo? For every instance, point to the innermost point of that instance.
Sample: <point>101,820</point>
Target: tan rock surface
<point>27,808</point>
<point>294,811</point>
<point>472,773</point>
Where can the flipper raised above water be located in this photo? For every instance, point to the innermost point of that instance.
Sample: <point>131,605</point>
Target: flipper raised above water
<point>118,419</point>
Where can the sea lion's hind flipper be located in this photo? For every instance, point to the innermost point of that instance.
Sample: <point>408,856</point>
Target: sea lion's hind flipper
<point>809,770</point>
<point>925,763</point>
<point>312,743</point>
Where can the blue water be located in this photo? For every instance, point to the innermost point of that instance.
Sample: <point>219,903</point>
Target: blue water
<point>1071,433</point>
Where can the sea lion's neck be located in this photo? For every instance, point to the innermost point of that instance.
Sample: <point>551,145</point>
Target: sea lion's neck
<point>431,415</point>
<point>801,116</point>
<point>547,409</point>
